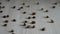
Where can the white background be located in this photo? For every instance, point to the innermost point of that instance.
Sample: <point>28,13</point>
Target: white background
<point>51,28</point>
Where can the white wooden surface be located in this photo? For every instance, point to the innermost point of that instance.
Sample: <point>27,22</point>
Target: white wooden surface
<point>50,28</point>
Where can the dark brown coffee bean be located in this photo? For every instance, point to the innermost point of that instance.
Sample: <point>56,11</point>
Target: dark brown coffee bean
<point>33,26</point>
<point>6,21</point>
<point>24,12</point>
<point>33,13</point>
<point>20,8</point>
<point>23,3</point>
<point>33,22</point>
<point>4,25</point>
<point>28,6</point>
<point>27,26</point>
<point>7,16</point>
<point>0,3</point>
<point>3,7</point>
<point>46,11</point>
<point>13,7</point>
<point>37,3</point>
<point>53,6</point>
<point>29,18</point>
<point>33,17</point>
<point>43,29</point>
<point>46,17</point>
<point>41,9</point>
<point>14,20</point>
<point>25,21</point>
<point>52,21</point>
<point>23,24</point>
<point>55,3</point>
<point>11,31</point>
<point>1,11</point>
<point>4,16</point>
